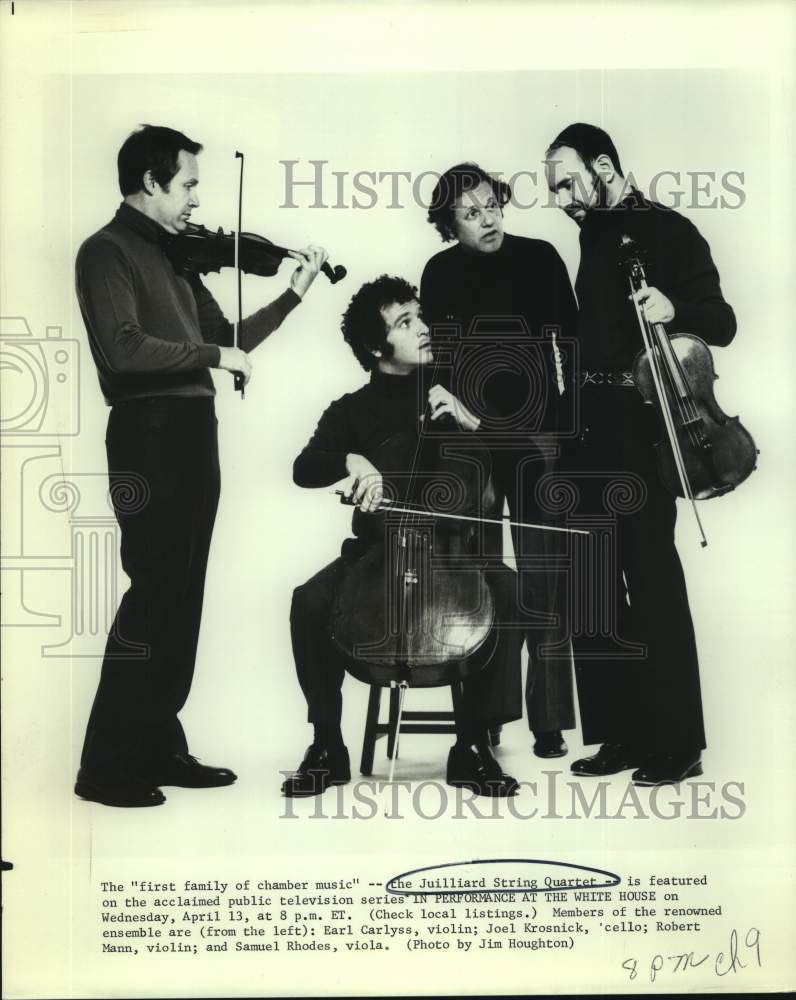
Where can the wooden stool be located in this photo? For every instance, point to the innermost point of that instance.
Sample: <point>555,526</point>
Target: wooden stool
<point>411,722</point>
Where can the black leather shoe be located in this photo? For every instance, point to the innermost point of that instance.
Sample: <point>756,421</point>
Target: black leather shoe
<point>475,768</point>
<point>123,791</point>
<point>550,744</point>
<point>611,758</point>
<point>321,768</point>
<point>186,771</point>
<point>667,770</point>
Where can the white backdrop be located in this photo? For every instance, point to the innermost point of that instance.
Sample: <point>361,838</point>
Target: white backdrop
<point>397,90</point>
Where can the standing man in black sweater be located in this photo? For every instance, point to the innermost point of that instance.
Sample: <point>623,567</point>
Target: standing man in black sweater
<point>154,333</point>
<point>389,338</point>
<point>645,711</point>
<point>508,304</point>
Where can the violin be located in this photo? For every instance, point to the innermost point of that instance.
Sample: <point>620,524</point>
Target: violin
<point>708,453</point>
<point>198,250</point>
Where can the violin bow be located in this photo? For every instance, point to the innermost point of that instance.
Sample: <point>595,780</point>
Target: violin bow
<point>409,508</point>
<point>240,384</point>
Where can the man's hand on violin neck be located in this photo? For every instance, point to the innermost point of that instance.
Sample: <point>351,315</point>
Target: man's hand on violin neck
<point>233,359</point>
<point>442,401</point>
<point>656,307</point>
<point>311,260</point>
<point>367,488</point>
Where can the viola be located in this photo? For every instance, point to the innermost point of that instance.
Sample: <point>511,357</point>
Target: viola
<point>198,250</point>
<point>705,453</point>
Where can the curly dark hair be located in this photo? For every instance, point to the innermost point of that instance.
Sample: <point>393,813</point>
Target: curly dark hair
<point>363,324</point>
<point>451,185</point>
<point>155,148</point>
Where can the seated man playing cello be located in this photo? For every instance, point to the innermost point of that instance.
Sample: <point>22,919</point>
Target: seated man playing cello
<point>385,330</point>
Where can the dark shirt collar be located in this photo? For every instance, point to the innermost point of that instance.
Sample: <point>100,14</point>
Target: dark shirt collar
<point>483,260</point>
<point>633,199</point>
<point>604,222</point>
<point>151,231</point>
<point>397,385</point>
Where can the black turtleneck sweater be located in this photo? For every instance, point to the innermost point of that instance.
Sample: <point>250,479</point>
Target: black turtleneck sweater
<point>153,331</point>
<point>380,421</point>
<point>677,262</point>
<point>496,302</point>
<point>358,423</point>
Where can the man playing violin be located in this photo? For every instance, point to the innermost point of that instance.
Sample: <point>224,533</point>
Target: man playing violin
<point>645,710</point>
<point>384,327</point>
<point>154,334</point>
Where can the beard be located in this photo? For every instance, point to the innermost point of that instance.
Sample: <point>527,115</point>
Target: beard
<point>594,199</point>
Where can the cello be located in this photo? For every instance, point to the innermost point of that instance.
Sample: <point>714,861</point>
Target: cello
<point>417,609</point>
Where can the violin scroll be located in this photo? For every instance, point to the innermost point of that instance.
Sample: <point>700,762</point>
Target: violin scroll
<point>334,274</point>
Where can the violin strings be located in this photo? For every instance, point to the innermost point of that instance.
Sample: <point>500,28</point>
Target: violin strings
<point>671,366</point>
<point>689,405</point>
<point>652,348</point>
<point>418,445</point>
<point>666,377</point>
<point>659,355</point>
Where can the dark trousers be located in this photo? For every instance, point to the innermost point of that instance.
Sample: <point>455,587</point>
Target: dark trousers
<point>164,485</point>
<point>490,697</point>
<point>542,567</point>
<point>638,684</point>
